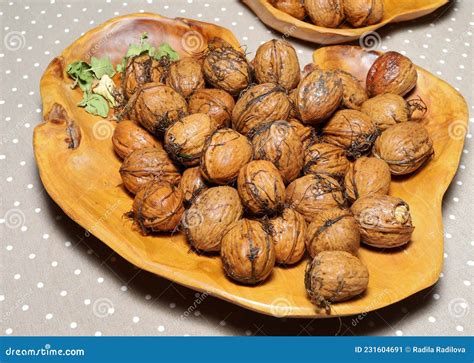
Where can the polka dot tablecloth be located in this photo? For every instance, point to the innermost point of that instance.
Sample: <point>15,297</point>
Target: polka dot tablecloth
<point>58,280</point>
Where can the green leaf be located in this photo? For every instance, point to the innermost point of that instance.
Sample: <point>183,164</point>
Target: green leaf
<point>166,50</point>
<point>102,66</point>
<point>95,104</point>
<point>80,72</point>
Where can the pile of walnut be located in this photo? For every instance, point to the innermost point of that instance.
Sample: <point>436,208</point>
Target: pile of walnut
<point>260,162</point>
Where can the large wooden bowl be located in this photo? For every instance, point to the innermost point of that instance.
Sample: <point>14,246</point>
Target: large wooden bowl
<point>395,11</point>
<point>80,171</point>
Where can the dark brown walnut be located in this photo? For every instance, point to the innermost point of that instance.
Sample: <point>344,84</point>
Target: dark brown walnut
<point>351,130</point>
<point>128,137</point>
<point>354,93</point>
<point>263,103</point>
<point>319,95</point>
<point>325,13</point>
<point>361,13</point>
<point>143,69</point>
<point>279,143</point>
<point>157,106</point>
<point>333,230</point>
<point>392,72</point>
<point>384,221</point>
<point>307,134</point>
<point>386,110</point>
<point>276,62</point>
<point>185,76</point>
<point>365,176</point>
<point>334,276</point>
<point>158,207</point>
<point>404,147</point>
<point>209,215</point>
<point>261,187</point>
<point>323,158</point>
<point>294,109</point>
<point>312,194</point>
<point>288,232</point>
<point>216,103</point>
<point>247,252</point>
<point>224,154</point>
<point>295,8</point>
<point>144,165</point>
<point>192,184</point>
<point>185,139</point>
<point>226,67</point>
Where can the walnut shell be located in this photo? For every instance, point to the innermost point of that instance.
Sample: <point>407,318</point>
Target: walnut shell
<point>224,154</point>
<point>384,221</point>
<point>295,8</point>
<point>361,13</point>
<point>263,103</point>
<point>319,95</point>
<point>323,158</point>
<point>312,194</point>
<point>386,110</point>
<point>140,70</point>
<point>185,139</point>
<point>334,276</point>
<point>392,72</point>
<point>325,13</point>
<point>279,143</point>
<point>307,134</point>
<point>247,252</point>
<point>405,147</point>
<point>192,184</point>
<point>216,103</point>
<point>365,176</point>
<point>261,187</point>
<point>128,137</point>
<point>293,106</point>
<point>144,165</point>
<point>185,76</point>
<point>354,93</point>
<point>333,230</point>
<point>209,216</point>
<point>351,130</point>
<point>288,232</point>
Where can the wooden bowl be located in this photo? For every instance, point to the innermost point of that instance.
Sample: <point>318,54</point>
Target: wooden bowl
<point>79,170</point>
<point>395,11</point>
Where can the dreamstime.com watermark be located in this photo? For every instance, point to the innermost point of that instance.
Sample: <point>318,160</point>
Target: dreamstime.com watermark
<point>200,297</point>
<point>45,351</point>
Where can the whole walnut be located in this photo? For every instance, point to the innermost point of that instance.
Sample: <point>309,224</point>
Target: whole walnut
<point>392,72</point>
<point>405,147</point>
<point>307,134</point>
<point>216,103</point>
<point>365,176</point>
<point>279,143</point>
<point>361,13</point>
<point>185,76</point>
<point>128,137</point>
<point>247,252</point>
<point>224,154</point>
<point>386,110</point>
<point>192,184</point>
<point>295,8</point>
<point>333,230</point>
<point>354,93</point>
<point>140,70</point>
<point>334,276</point>
<point>209,216</point>
<point>384,221</point>
<point>276,62</point>
<point>144,165</point>
<point>325,13</point>
<point>323,158</point>
<point>260,104</point>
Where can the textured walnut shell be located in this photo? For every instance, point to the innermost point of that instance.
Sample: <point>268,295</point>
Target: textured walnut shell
<point>216,103</point>
<point>312,194</point>
<point>365,176</point>
<point>294,108</point>
<point>144,165</point>
<point>140,70</point>
<point>323,158</point>
<point>276,62</point>
<point>128,137</point>
<point>333,230</point>
<point>261,187</point>
<point>209,215</point>
<point>192,184</point>
<point>307,134</point>
<point>279,143</point>
<point>325,13</point>
<point>351,130</point>
<point>404,147</point>
<point>185,76</point>
<point>386,110</point>
<point>392,72</point>
<point>185,139</point>
<point>354,93</point>
<point>288,232</point>
<point>247,252</point>
<point>224,154</point>
<point>157,106</point>
<point>158,207</point>
<point>319,95</point>
<point>334,276</point>
<point>384,221</point>
<point>263,103</point>
<point>361,13</point>
<point>295,8</point>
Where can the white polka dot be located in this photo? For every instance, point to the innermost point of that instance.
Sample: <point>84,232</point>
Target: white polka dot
<point>161,328</point>
<point>123,288</point>
<point>17,276</point>
<point>399,333</point>
<point>73,325</point>
<point>459,328</point>
<point>8,331</point>
<point>136,319</point>
<point>2,297</point>
<point>100,280</point>
<point>45,236</point>
<point>63,293</point>
<point>39,285</point>
<point>87,302</point>
<point>467,282</point>
<point>31,256</point>
<point>77,272</point>
<point>24,228</point>
<point>98,334</point>
<point>49,316</point>
<point>432,319</point>
<point>25,307</point>
<point>436,296</point>
<point>54,263</point>
<point>147,297</point>
<point>9,248</point>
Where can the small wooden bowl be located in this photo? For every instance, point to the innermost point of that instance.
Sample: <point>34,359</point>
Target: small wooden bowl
<point>80,171</point>
<point>395,11</point>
